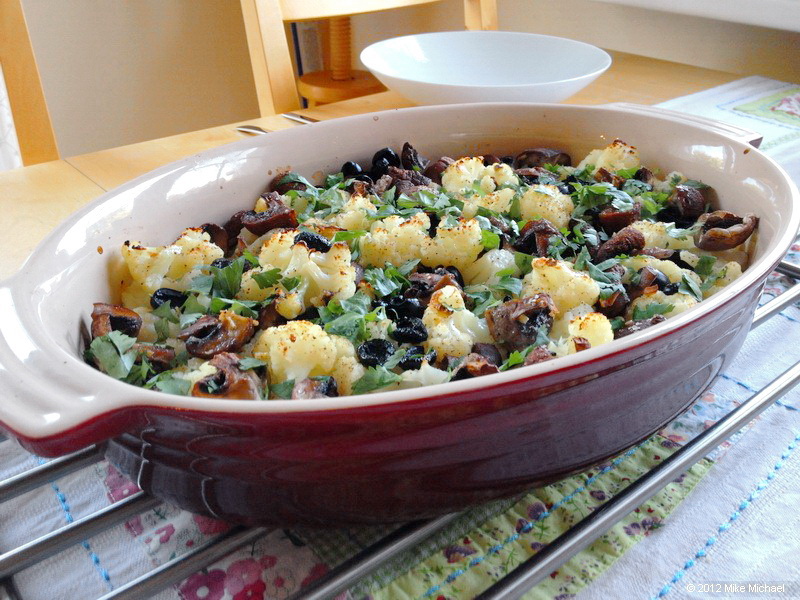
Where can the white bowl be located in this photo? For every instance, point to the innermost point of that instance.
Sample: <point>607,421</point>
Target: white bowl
<point>452,67</point>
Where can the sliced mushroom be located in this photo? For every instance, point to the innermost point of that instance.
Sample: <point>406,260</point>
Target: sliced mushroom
<point>516,323</point>
<point>259,223</point>
<point>268,316</point>
<point>489,352</point>
<point>607,176</point>
<point>473,365</point>
<point>278,185</point>
<point>434,170</point>
<point>210,335</point>
<point>687,202</point>
<point>537,355</point>
<point>534,238</point>
<point>315,387</point>
<point>424,284</point>
<point>160,358</point>
<point>723,230</point>
<point>627,241</point>
<point>581,343</point>
<point>533,175</point>
<point>408,181</point>
<point>659,253</point>
<point>113,317</point>
<point>537,157</point>
<point>229,381</point>
<point>614,305</point>
<point>636,326</point>
<point>410,158</point>
<point>217,234</point>
<point>613,220</point>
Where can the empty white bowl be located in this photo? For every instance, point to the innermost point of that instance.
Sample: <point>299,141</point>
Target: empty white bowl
<point>451,67</point>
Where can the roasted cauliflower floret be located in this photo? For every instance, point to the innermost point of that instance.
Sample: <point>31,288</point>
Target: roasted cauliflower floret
<point>170,266</point>
<point>301,349</point>
<point>617,155</point>
<point>457,246</point>
<point>485,269</point>
<point>567,287</point>
<point>395,240</point>
<point>321,276</point>
<point>679,302</point>
<point>498,201</point>
<point>656,236</point>
<point>469,175</point>
<point>667,267</point>
<point>546,202</point>
<point>353,216</point>
<point>452,330</point>
<point>583,322</point>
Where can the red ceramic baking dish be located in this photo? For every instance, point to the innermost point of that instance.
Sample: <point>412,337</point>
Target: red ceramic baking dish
<point>387,456</point>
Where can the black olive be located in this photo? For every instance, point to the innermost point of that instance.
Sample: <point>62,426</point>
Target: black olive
<point>412,360</point>
<point>400,307</point>
<point>509,160</point>
<point>655,277</point>
<point>375,352</point>
<point>411,330</point>
<point>313,241</point>
<point>379,168</point>
<point>453,271</point>
<point>565,189</point>
<point>174,297</point>
<point>351,169</point>
<point>671,288</point>
<point>363,177</point>
<point>221,263</point>
<point>386,154</point>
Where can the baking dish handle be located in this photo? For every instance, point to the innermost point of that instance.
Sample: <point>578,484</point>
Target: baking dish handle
<point>732,131</point>
<point>62,411</point>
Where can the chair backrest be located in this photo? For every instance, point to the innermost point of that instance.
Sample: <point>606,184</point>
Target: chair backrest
<point>269,49</point>
<point>37,142</point>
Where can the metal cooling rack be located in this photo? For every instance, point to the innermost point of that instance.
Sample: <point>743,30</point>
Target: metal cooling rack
<point>513,585</point>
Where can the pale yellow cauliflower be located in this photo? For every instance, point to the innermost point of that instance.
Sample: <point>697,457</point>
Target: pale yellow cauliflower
<point>617,155</point>
<point>353,216</point>
<point>457,246</point>
<point>656,236</point>
<point>323,275</point>
<point>469,175</point>
<point>452,330</point>
<point>485,269</point>
<point>546,202</point>
<point>169,266</point>
<point>395,240</point>
<point>567,287</point>
<point>498,201</point>
<point>583,322</point>
<point>301,349</point>
<point>679,302</point>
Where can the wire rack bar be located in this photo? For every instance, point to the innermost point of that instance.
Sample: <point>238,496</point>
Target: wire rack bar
<point>371,558</point>
<point>41,548</point>
<point>33,478</point>
<point>179,568</point>
<point>579,537</point>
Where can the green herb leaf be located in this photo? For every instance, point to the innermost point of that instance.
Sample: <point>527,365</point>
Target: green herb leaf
<point>651,310</point>
<point>375,378</point>
<point>249,362</point>
<point>289,283</point>
<point>168,383</point>
<point>705,265</point>
<point>489,239</point>
<point>282,390</point>
<point>699,185</point>
<point>346,236</point>
<point>690,286</point>
<point>113,353</point>
<point>267,278</point>
<point>350,325</point>
<point>508,284</point>
<point>617,323</point>
<point>713,278</point>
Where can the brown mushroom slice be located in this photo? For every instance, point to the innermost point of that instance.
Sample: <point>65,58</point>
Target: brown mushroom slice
<point>636,326</point>
<point>410,158</point>
<point>473,365</point>
<point>229,381</point>
<point>258,223</point>
<point>160,358</point>
<point>723,230</point>
<point>488,351</point>
<point>613,220</point>
<point>315,387</point>
<point>537,157</point>
<point>423,285</point>
<point>113,317</point>
<point>659,253</point>
<point>217,234</point>
<point>534,238</point>
<point>613,305</point>
<point>687,202</point>
<point>537,355</point>
<point>628,241</point>
<point>581,343</point>
<point>408,181</point>
<point>434,170</point>
<point>210,335</point>
<point>516,323</point>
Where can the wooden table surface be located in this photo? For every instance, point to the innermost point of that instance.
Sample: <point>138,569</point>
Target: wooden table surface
<point>35,199</point>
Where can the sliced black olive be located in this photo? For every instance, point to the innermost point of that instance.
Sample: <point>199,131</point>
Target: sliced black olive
<point>536,157</point>
<point>412,360</point>
<point>351,169</point>
<point>379,168</point>
<point>411,330</point>
<point>315,387</point>
<point>509,160</point>
<point>375,352</point>
<point>313,241</point>
<point>473,365</point>
<point>174,297</point>
<point>400,307</point>
<point>387,154</point>
<point>671,288</point>
<point>221,263</point>
<point>649,276</point>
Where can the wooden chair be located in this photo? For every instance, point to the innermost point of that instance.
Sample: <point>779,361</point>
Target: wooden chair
<point>271,58</point>
<point>37,142</point>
